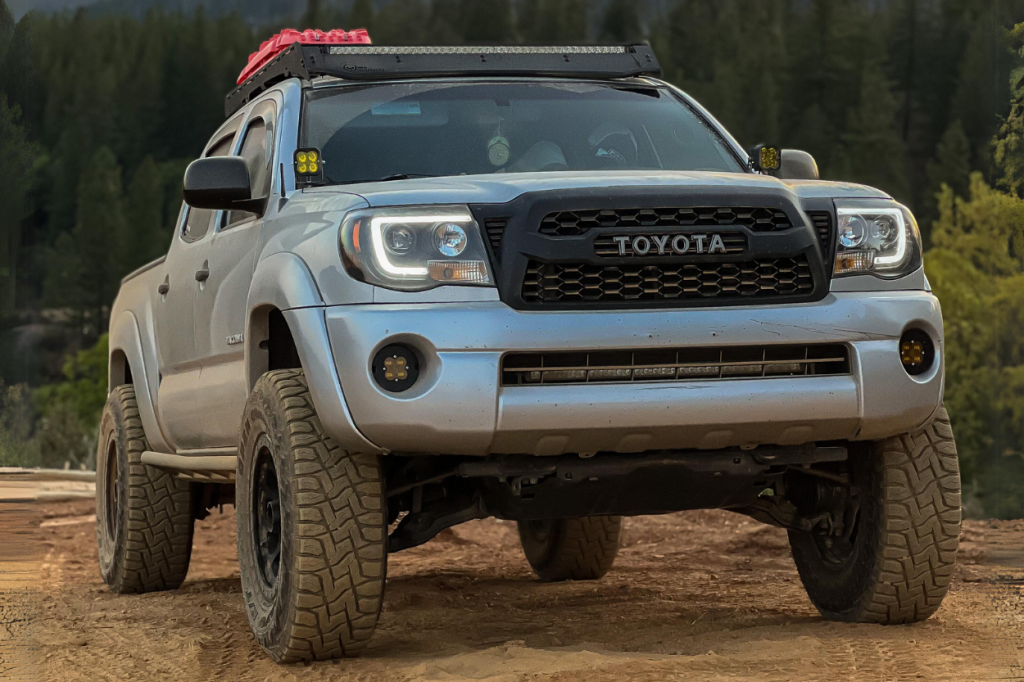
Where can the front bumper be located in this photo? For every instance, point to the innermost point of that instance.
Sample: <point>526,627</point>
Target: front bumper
<point>459,407</point>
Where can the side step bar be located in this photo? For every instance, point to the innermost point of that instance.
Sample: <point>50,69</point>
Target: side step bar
<point>204,466</point>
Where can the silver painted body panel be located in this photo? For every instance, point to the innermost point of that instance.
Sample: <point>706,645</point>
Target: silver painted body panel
<point>193,359</point>
<point>459,407</point>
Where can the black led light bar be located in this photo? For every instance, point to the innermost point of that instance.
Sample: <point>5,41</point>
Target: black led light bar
<point>374,62</point>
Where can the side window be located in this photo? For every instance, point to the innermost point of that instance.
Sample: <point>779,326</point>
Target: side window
<point>258,152</point>
<point>198,222</point>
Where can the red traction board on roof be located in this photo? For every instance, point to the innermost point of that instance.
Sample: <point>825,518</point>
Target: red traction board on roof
<point>311,36</point>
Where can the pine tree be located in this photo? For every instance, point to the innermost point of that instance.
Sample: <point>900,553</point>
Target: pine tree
<point>17,166</point>
<point>621,22</point>
<point>872,151</point>
<point>6,30</point>
<point>144,236</point>
<point>84,272</point>
<point>361,16</point>
<point>952,163</point>
<point>1008,145</point>
<point>981,98</point>
<point>485,22</point>
<point>402,22</point>
<point>552,21</point>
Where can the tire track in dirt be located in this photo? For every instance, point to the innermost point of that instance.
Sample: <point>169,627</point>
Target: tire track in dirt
<point>695,596</point>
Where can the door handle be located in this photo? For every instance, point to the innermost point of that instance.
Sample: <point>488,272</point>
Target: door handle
<point>203,273</point>
<point>164,287</point>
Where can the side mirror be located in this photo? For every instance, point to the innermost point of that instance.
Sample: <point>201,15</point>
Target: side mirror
<point>221,183</point>
<point>797,165</point>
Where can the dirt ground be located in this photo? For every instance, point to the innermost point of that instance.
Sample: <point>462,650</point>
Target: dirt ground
<point>692,596</point>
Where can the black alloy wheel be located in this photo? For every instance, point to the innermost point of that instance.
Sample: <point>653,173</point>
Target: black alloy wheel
<point>266,497</point>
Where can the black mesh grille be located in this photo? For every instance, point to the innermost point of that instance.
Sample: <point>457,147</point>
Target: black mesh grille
<point>823,225</point>
<point>495,228</point>
<point>584,283</point>
<point>574,223</point>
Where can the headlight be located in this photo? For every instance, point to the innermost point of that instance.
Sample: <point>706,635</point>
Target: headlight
<point>415,248</point>
<point>876,240</point>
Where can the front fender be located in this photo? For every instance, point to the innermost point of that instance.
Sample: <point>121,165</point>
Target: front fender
<point>283,281</point>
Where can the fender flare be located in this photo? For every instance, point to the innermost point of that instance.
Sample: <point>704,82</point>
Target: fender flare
<point>284,281</point>
<point>125,337</point>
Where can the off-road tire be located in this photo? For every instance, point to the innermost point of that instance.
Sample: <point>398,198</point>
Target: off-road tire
<point>571,549</point>
<point>326,596</point>
<point>143,514</point>
<point>907,536</point>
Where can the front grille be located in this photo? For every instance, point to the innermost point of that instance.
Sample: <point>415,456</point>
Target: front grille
<point>823,226</point>
<point>674,364</point>
<point>584,283</point>
<point>606,246</point>
<point>575,223</point>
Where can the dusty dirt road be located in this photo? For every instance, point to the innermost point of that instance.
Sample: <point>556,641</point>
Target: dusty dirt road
<point>692,596</point>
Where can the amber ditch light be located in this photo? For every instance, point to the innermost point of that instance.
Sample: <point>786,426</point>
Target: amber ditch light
<point>309,166</point>
<point>766,158</point>
<point>917,352</point>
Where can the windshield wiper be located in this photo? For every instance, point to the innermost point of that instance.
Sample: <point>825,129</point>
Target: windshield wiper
<point>401,176</point>
<point>389,178</point>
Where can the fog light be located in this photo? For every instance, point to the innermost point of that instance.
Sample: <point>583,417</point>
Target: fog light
<point>917,352</point>
<point>396,368</point>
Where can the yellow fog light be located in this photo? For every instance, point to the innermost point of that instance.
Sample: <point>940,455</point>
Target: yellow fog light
<point>396,368</point>
<point>917,352</point>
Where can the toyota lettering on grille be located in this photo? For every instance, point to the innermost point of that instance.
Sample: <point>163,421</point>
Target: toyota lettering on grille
<point>668,244</point>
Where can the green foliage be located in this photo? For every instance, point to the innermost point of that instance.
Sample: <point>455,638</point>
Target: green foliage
<point>976,268</point>
<point>85,271</point>
<point>16,447</point>
<point>70,410</point>
<point>361,16</point>
<point>866,153</point>
<point>621,23</point>
<point>57,424</point>
<point>550,21</point>
<point>1008,146</point>
<point>19,160</point>
<point>952,163</point>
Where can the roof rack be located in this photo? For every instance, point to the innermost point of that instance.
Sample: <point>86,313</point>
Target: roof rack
<point>374,62</point>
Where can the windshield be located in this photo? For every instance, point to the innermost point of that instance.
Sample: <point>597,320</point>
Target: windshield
<point>400,130</point>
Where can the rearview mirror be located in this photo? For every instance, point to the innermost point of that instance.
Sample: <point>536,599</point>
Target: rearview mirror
<point>221,183</point>
<point>797,165</point>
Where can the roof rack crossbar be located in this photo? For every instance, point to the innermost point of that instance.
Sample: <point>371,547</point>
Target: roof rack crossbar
<point>375,62</point>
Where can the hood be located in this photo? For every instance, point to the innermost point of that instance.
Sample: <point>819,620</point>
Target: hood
<point>503,188</point>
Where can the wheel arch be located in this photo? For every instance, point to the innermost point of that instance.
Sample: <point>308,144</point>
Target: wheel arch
<point>286,329</point>
<point>127,366</point>
<point>280,282</point>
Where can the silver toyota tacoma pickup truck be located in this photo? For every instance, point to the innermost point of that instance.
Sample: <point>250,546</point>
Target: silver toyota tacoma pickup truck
<point>412,287</point>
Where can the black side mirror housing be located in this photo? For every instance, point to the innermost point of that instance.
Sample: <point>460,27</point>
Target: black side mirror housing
<point>221,183</point>
<point>798,165</point>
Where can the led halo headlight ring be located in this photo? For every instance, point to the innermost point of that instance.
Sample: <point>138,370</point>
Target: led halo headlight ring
<point>378,224</point>
<point>415,248</point>
<point>882,241</point>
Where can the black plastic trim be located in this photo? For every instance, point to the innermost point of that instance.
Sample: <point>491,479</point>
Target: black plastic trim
<point>523,242</point>
<point>309,61</point>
